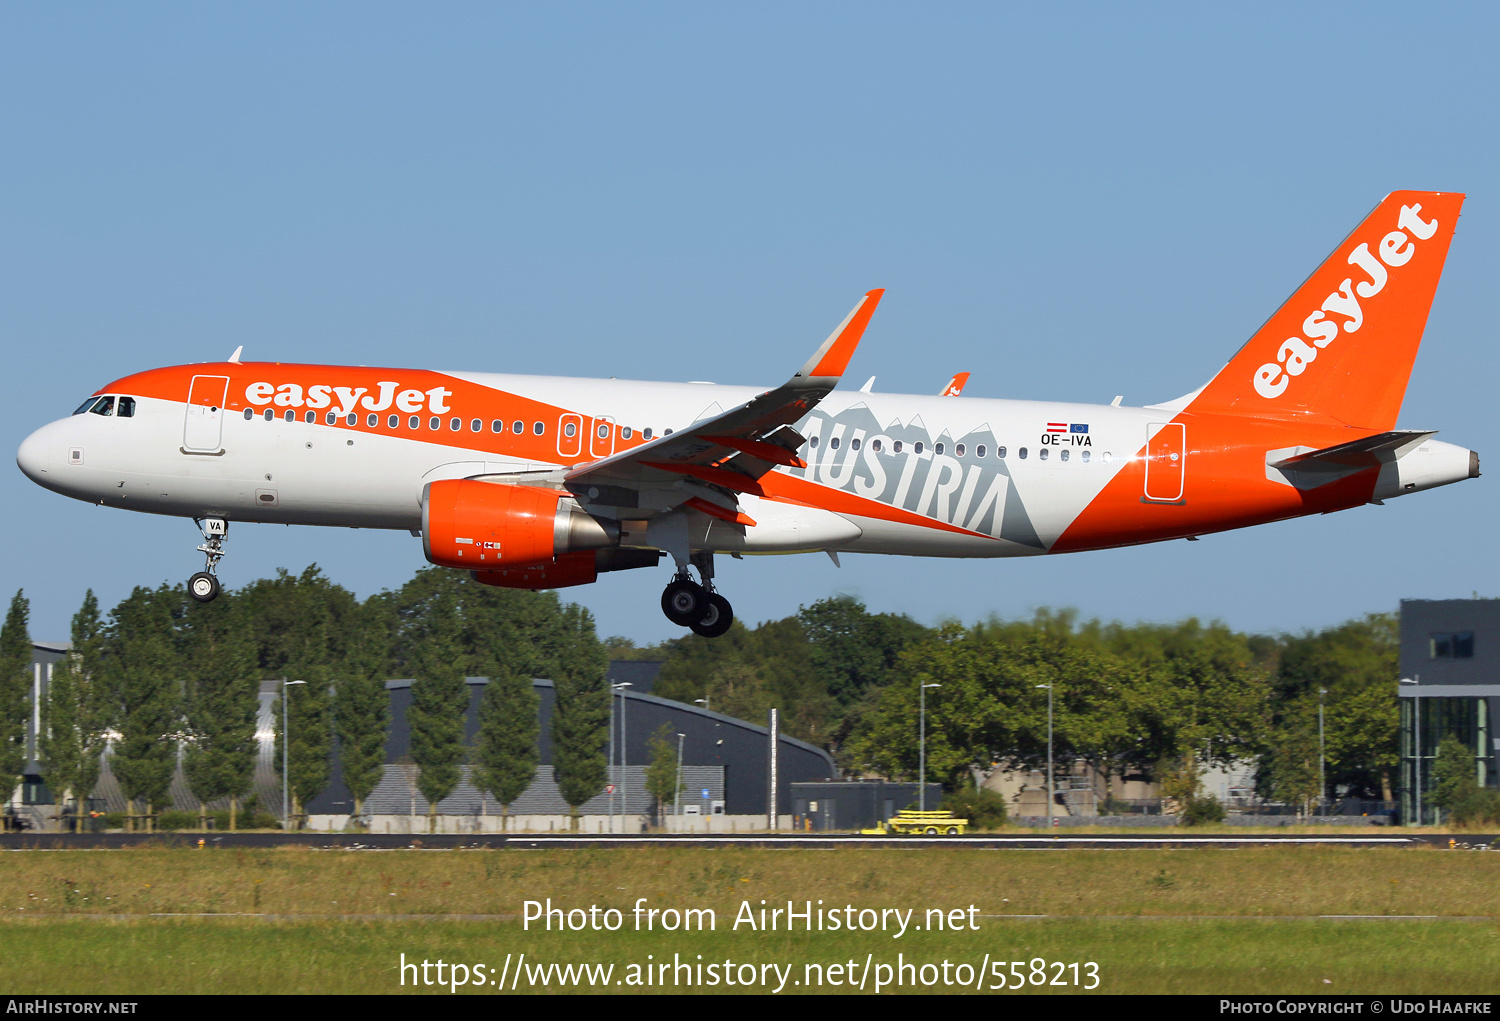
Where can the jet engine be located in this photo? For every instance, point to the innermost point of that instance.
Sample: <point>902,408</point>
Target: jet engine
<point>489,526</point>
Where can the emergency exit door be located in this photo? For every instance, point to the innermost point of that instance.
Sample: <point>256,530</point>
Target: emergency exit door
<point>1166,461</point>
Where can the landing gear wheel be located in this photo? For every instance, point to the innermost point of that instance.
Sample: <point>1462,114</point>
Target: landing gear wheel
<point>684,602</point>
<point>203,587</point>
<point>717,616</point>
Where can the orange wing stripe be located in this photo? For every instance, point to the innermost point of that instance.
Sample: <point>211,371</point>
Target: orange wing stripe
<point>836,360</point>
<point>713,510</point>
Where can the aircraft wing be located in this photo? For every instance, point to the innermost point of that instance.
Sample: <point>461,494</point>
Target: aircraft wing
<point>728,453</point>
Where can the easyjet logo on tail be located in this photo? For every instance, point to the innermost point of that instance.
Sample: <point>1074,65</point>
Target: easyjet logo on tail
<point>1297,353</point>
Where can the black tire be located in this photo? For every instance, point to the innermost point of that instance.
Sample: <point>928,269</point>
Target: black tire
<point>683,602</point>
<point>952,831</point>
<point>717,616</point>
<point>931,831</point>
<point>203,587</point>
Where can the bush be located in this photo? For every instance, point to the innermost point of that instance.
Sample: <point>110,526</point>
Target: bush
<point>114,820</point>
<point>985,809</point>
<point>1477,806</point>
<point>1202,809</point>
<point>177,821</point>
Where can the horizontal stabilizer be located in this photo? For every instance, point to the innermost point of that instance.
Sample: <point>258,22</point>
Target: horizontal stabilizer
<point>1381,448</point>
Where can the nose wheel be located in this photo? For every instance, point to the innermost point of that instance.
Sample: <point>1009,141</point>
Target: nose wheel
<point>204,586</point>
<point>698,607</point>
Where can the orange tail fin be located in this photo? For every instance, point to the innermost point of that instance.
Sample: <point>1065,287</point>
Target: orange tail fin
<point>1343,344</point>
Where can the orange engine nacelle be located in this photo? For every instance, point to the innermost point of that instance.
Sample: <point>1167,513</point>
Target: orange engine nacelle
<point>567,570</point>
<point>490,526</point>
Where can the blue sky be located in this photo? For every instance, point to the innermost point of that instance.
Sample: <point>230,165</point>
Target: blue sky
<point>1071,202</point>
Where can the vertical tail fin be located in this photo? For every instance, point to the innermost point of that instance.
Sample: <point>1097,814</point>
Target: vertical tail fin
<point>1343,344</point>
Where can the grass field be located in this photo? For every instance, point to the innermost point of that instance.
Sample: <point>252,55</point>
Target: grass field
<point>1206,921</point>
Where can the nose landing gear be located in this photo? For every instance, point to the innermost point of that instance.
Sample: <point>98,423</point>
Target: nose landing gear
<point>691,605</point>
<point>204,586</point>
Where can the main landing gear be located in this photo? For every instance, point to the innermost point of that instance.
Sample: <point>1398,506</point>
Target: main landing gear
<point>691,605</point>
<point>204,586</point>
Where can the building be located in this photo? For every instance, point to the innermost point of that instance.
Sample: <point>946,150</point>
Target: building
<point>1450,684</point>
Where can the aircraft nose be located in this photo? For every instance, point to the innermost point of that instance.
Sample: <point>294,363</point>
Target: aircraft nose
<point>32,457</point>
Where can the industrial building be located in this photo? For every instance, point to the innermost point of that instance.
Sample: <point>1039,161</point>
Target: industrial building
<point>1449,684</point>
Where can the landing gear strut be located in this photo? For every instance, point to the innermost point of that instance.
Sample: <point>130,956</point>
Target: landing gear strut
<point>691,605</point>
<point>204,585</point>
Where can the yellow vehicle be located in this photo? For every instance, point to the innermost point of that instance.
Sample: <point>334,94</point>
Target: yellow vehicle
<point>910,821</point>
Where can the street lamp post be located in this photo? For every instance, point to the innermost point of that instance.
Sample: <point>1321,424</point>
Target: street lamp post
<point>677,791</point>
<point>286,741</point>
<point>922,747</point>
<point>619,778</point>
<point>703,702</point>
<point>1050,787</point>
<point>1322,757</point>
<point>1417,729</point>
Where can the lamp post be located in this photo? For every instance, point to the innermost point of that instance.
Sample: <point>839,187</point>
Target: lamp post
<point>1050,788</point>
<point>922,747</point>
<point>1322,756</point>
<point>1417,730</point>
<point>703,702</point>
<point>619,778</point>
<point>286,741</point>
<point>677,791</point>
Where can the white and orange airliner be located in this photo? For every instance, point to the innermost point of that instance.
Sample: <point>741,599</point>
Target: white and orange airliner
<point>543,482</point>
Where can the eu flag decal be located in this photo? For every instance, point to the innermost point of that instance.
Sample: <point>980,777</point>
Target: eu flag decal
<point>1075,427</point>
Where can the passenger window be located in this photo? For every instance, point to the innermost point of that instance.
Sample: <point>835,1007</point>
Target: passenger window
<point>455,424</point>
<point>604,430</point>
<point>1108,457</point>
<point>126,408</point>
<point>1063,454</point>
<point>959,449</point>
<point>1021,453</point>
<point>290,416</point>
<point>1085,457</point>
<point>646,433</point>
<point>896,446</point>
<point>310,417</point>
<point>668,432</point>
<point>834,443</point>
<point>249,414</point>
<point>86,405</point>
<point>937,448</point>
<point>331,417</point>
<point>979,450</point>
<point>626,432</point>
<point>875,446</point>
<point>393,421</point>
<point>854,443</point>
<point>434,422</point>
<point>1000,452</point>
<point>268,414</point>
<point>917,446</point>
<point>570,430</point>
<point>538,428</point>
<point>813,443</point>
<point>414,422</point>
<point>105,407</point>
<point>353,419</point>
<point>1043,453</point>
<point>476,426</point>
<point>497,426</point>
<point>518,427</point>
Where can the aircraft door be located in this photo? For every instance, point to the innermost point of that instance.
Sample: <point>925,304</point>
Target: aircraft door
<point>203,430</point>
<point>1166,461</point>
<point>602,439</point>
<point>570,437</point>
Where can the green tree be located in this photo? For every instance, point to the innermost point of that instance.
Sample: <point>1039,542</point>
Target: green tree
<point>15,685</point>
<point>77,712</point>
<point>439,702</point>
<point>661,774</point>
<point>852,649</point>
<point>1454,778</point>
<point>580,714</point>
<point>141,667</point>
<point>362,709</point>
<point>1290,772</point>
<point>223,699</point>
<point>505,752</point>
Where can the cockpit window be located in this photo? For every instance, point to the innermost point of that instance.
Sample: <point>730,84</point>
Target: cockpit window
<point>126,408</point>
<point>86,405</point>
<point>105,407</point>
